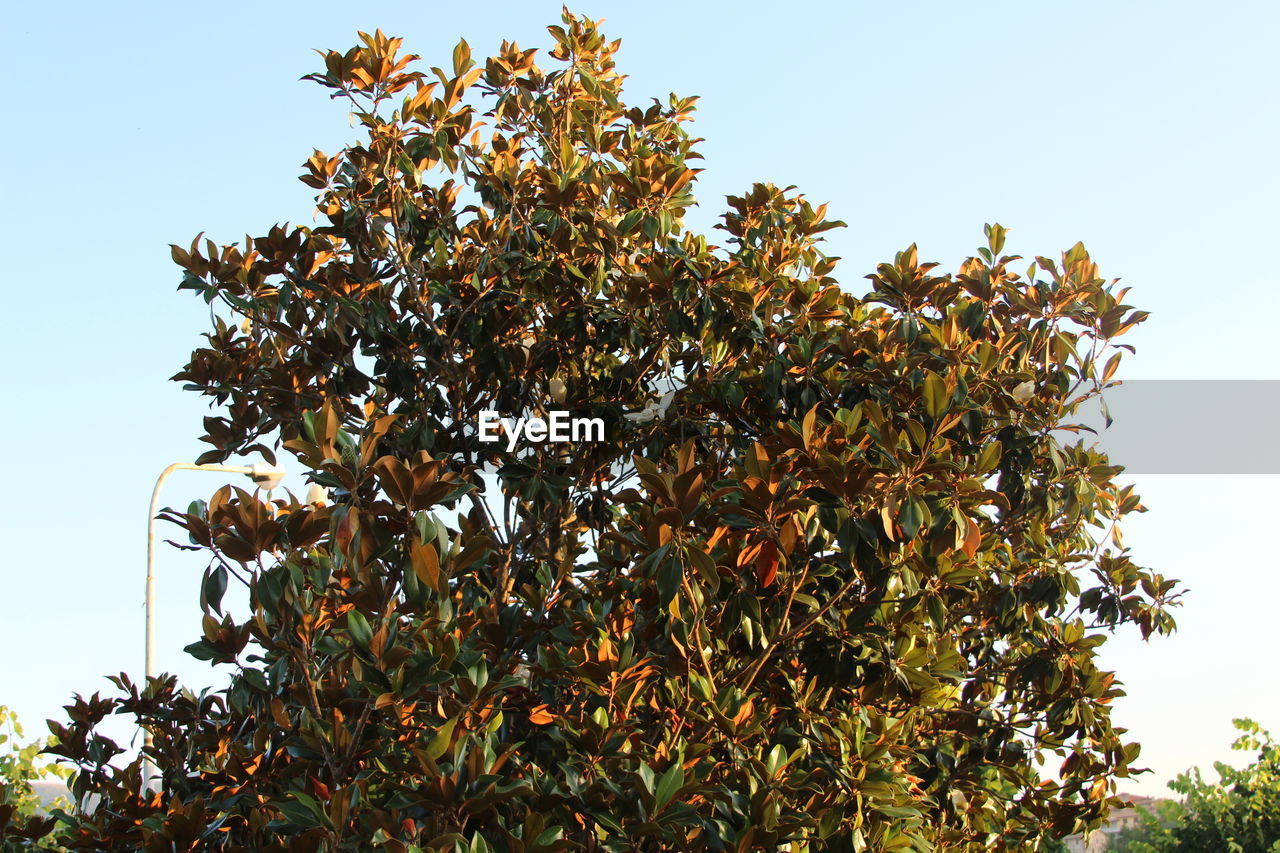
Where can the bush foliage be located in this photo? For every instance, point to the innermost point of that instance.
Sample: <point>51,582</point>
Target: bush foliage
<point>22,814</point>
<point>836,584</point>
<point>1239,813</point>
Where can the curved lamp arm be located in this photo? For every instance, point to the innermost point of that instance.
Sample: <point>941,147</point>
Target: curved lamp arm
<point>265,476</point>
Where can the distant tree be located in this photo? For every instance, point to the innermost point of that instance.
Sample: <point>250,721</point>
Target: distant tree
<point>834,582</point>
<point>1152,828</point>
<point>1240,813</point>
<point>22,815</point>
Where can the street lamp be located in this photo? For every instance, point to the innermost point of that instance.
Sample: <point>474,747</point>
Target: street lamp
<point>265,476</point>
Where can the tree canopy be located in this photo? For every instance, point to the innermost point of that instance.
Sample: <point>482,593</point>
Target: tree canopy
<point>1238,813</point>
<point>838,583</point>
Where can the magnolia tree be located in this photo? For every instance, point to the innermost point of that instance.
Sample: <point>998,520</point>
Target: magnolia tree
<point>829,576</point>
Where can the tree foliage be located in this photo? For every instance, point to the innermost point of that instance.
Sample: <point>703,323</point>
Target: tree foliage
<point>22,815</point>
<point>1240,813</point>
<point>842,590</point>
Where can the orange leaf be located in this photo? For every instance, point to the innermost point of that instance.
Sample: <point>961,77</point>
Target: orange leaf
<point>767,563</point>
<point>540,716</point>
<point>426,565</point>
<point>972,539</point>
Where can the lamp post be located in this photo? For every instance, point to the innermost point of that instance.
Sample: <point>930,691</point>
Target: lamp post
<point>268,476</point>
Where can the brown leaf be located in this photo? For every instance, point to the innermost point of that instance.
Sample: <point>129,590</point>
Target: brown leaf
<point>767,563</point>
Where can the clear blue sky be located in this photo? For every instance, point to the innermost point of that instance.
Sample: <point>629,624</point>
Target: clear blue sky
<point>1147,130</point>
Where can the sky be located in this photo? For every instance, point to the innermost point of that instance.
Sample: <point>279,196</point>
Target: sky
<point>1146,130</point>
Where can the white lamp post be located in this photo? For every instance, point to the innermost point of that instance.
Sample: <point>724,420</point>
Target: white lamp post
<point>267,476</point>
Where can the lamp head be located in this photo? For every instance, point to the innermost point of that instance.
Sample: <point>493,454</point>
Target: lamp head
<point>266,476</point>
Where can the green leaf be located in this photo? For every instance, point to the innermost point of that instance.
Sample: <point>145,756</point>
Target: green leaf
<point>462,59</point>
<point>910,517</point>
<point>646,776</point>
<point>776,760</point>
<point>990,457</point>
<point>358,628</point>
<point>935,394</point>
<point>440,742</point>
<point>669,784</point>
<point>303,810</point>
<point>213,588</point>
<point>426,526</point>
<point>706,568</point>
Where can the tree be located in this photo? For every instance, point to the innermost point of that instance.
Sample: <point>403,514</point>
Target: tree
<point>833,581</point>
<point>1240,813</point>
<point>22,815</point>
